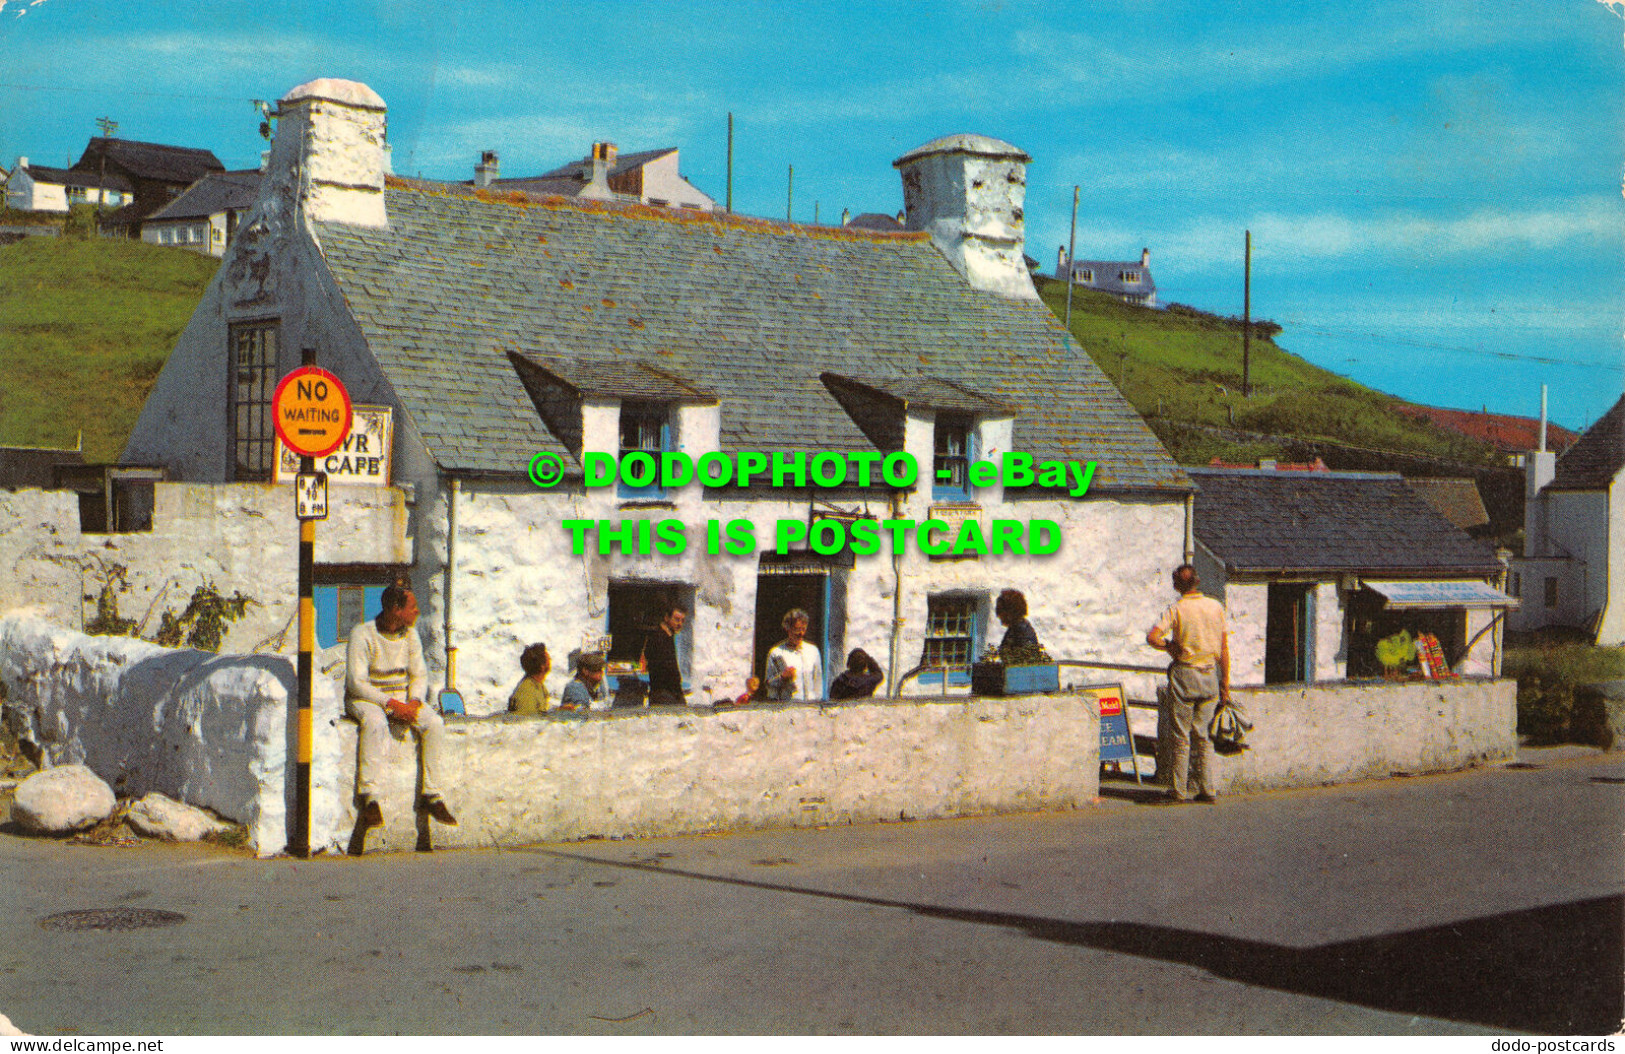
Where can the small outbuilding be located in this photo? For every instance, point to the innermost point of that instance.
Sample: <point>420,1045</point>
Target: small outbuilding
<point>1316,567</point>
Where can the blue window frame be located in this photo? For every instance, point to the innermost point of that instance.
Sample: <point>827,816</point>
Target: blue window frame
<point>340,607</point>
<point>645,429</point>
<point>954,446</point>
<point>953,637</point>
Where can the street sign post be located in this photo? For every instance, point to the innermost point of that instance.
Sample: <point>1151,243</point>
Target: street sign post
<point>312,412</point>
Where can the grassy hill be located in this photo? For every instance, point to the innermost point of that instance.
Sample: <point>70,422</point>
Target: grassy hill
<point>85,326</point>
<point>1184,368</point>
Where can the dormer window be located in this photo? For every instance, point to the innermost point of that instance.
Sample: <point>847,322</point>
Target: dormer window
<point>1129,277</point>
<point>1086,274</point>
<point>953,452</point>
<point>645,429</point>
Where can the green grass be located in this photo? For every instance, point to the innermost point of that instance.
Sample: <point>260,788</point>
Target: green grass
<point>1187,369</point>
<point>85,326</point>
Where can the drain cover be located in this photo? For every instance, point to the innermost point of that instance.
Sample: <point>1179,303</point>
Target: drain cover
<point>111,919</point>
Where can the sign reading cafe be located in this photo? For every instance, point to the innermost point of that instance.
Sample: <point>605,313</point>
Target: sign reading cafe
<point>362,459</point>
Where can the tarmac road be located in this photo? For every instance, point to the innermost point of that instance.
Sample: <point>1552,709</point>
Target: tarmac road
<point>1460,904</point>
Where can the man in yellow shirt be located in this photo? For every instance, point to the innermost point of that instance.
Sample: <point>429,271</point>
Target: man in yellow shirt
<point>1193,632</point>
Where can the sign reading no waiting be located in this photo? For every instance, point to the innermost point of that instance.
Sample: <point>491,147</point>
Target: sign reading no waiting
<point>312,411</point>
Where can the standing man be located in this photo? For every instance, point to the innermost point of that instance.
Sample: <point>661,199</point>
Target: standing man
<point>660,656</point>
<point>794,667</point>
<point>386,680</point>
<point>1193,632</point>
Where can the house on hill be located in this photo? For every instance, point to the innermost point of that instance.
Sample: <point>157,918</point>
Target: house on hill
<point>1128,280</point>
<point>504,330</point>
<point>1572,572</point>
<point>1315,567</point>
<point>206,215</point>
<point>649,176</point>
<point>36,188</point>
<point>157,172</point>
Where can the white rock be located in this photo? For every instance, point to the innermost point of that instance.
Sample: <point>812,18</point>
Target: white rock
<point>63,799</point>
<point>8,1029</point>
<point>159,816</point>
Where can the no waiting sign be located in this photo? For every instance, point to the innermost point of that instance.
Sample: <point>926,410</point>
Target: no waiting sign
<point>312,411</point>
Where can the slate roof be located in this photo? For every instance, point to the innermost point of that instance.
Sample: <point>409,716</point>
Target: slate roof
<point>67,177</point>
<point>567,178</point>
<point>753,310</point>
<point>874,221</point>
<point>1261,520</point>
<point>156,161</point>
<point>1457,500</point>
<point>1596,457</point>
<point>1106,276</point>
<point>215,192</point>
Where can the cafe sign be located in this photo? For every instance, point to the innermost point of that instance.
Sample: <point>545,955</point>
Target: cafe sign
<point>362,459</point>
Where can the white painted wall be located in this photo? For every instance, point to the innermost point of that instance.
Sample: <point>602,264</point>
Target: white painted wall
<point>28,194</point>
<point>1612,631</point>
<point>240,536</point>
<point>662,181</point>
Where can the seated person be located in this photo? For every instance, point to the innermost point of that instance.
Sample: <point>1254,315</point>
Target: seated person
<point>586,690</point>
<point>860,678</point>
<point>1020,646</point>
<point>385,680</point>
<point>530,694</point>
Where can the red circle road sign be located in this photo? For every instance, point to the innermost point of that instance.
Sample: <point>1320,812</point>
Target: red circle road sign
<point>312,411</point>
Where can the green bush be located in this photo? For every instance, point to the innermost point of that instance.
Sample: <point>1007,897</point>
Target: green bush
<point>81,222</point>
<point>1554,705</point>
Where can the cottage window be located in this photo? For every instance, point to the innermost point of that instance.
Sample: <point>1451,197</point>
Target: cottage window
<point>1085,274</point>
<point>952,633</point>
<point>342,606</point>
<point>645,429</point>
<point>954,442</point>
<point>1129,276</point>
<point>1551,592</point>
<point>253,380</point>
<point>77,195</point>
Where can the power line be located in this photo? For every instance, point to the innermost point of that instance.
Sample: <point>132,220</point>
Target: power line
<point>144,94</point>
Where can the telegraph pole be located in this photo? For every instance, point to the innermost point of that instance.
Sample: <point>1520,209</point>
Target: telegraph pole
<point>1071,247</point>
<point>730,204</point>
<point>1247,321</point>
<point>790,194</point>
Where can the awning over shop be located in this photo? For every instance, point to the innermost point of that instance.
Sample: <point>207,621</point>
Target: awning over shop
<point>1411,595</point>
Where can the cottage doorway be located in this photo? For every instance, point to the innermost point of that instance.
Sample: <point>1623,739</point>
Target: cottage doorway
<point>1289,654</point>
<point>797,584</point>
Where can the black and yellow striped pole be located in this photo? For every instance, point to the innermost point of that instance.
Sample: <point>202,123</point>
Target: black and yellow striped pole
<point>312,414</point>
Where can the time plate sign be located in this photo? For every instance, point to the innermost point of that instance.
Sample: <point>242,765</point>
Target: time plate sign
<point>312,411</point>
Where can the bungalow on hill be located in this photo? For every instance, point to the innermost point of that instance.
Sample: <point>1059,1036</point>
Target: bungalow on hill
<point>206,215</point>
<point>1315,567</point>
<point>500,330</point>
<point>1572,571</point>
<point>649,176</point>
<point>1128,280</point>
<point>36,188</point>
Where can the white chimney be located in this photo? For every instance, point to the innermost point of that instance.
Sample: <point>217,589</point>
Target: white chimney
<point>1145,257</point>
<point>595,171</point>
<point>1060,261</point>
<point>330,140</point>
<point>488,170</point>
<point>1539,470</point>
<point>967,191</point>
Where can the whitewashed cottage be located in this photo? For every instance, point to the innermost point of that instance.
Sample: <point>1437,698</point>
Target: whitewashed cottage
<point>496,326</point>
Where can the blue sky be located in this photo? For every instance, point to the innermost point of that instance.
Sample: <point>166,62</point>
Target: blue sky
<point>1433,186</point>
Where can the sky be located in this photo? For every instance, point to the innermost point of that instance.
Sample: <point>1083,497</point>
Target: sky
<point>1434,187</point>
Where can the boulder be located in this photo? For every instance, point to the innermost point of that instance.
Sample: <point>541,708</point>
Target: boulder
<point>159,816</point>
<point>61,800</point>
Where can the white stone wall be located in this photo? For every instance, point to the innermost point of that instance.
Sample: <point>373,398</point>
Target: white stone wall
<point>1577,523</point>
<point>240,536</point>
<point>28,194</point>
<point>1309,736</point>
<point>209,730</point>
<point>1611,633</point>
<point>517,582</point>
<point>662,181</point>
<point>516,780</point>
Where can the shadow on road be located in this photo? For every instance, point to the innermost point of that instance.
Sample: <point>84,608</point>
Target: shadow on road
<point>1555,969</point>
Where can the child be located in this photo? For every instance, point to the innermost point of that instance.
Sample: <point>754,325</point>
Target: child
<point>752,686</point>
<point>860,678</point>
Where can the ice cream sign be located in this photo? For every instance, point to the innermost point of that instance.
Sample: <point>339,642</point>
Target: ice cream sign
<point>362,459</point>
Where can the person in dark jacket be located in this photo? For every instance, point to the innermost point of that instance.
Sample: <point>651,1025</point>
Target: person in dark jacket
<point>860,678</point>
<point>1020,644</point>
<point>660,656</point>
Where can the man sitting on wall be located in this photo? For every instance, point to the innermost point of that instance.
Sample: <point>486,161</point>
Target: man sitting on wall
<point>1193,632</point>
<point>386,680</point>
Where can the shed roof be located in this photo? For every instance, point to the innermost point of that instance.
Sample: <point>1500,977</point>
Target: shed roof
<point>753,310</point>
<point>1457,500</point>
<point>1261,520</point>
<point>1596,457</point>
